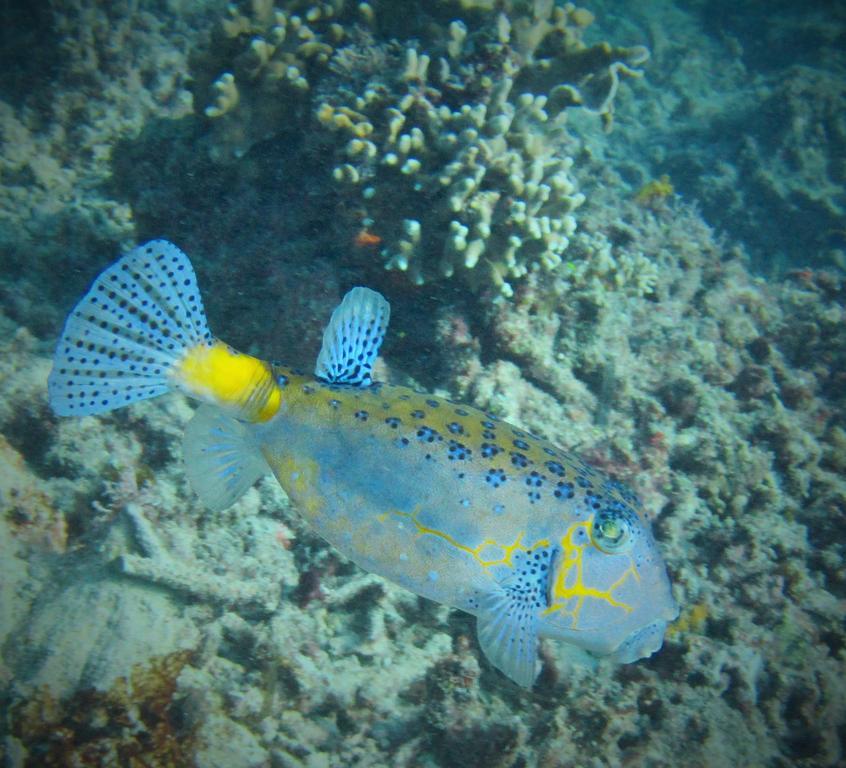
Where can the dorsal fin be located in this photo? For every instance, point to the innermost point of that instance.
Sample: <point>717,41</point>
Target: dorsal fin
<point>352,338</point>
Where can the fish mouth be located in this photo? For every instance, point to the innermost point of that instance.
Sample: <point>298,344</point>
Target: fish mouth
<point>641,643</point>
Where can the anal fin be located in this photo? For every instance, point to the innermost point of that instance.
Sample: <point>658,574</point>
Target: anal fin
<point>221,460</point>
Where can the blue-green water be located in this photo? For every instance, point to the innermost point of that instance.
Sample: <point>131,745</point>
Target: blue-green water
<point>639,258</point>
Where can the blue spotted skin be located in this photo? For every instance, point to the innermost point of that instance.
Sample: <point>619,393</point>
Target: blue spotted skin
<point>448,501</point>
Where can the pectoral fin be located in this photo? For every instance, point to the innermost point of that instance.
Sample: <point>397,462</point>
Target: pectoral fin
<point>508,636</point>
<point>507,620</point>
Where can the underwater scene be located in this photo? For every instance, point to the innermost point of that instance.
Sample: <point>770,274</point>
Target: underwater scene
<point>422,383</point>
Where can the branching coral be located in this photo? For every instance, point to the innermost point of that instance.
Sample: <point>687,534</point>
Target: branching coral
<point>269,53</point>
<point>478,185</point>
<point>160,567</point>
<point>453,151</point>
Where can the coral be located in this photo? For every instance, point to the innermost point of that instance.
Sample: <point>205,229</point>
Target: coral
<point>771,157</point>
<point>158,566</point>
<point>747,492</point>
<point>26,507</point>
<point>606,269</point>
<point>29,511</point>
<point>136,723</point>
<point>271,55</point>
<point>692,619</point>
<point>460,350</point>
<point>487,174</point>
<point>469,140</point>
<point>714,421</point>
<point>451,153</point>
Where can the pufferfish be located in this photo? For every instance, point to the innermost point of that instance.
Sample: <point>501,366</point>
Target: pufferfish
<point>443,499</point>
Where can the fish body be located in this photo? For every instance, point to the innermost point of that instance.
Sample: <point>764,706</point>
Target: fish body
<point>439,497</point>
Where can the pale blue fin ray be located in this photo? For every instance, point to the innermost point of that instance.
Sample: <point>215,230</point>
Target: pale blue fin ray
<point>221,460</point>
<point>508,616</point>
<point>352,338</point>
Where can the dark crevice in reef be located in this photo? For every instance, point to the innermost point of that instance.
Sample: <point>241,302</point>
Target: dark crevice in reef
<point>29,431</point>
<point>29,51</point>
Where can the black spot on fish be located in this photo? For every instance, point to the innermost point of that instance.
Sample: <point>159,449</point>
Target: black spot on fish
<point>426,434</point>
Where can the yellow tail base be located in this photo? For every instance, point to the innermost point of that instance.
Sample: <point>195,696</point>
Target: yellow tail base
<point>222,376</point>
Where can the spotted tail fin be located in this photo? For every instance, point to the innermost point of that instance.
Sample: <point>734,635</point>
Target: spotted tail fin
<point>125,336</point>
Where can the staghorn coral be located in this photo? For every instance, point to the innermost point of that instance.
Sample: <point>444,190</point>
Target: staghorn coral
<point>449,145</point>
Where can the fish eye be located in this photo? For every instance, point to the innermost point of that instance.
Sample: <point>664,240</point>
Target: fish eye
<point>612,533</point>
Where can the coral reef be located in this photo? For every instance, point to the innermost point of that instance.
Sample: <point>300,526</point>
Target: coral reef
<point>762,134</point>
<point>720,421</point>
<point>329,665</point>
<point>783,172</point>
<point>110,70</point>
<point>138,628</point>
